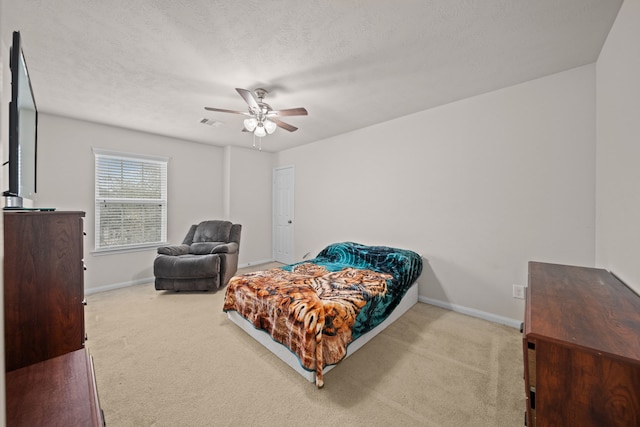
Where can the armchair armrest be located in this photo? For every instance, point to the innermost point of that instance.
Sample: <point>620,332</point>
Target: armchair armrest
<point>226,248</point>
<point>205,248</point>
<point>174,250</point>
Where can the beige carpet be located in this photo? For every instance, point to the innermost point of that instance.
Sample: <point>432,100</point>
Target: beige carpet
<point>174,359</point>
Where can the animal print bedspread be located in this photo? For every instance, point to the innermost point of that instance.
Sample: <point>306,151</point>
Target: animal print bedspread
<point>310,310</point>
<point>313,307</point>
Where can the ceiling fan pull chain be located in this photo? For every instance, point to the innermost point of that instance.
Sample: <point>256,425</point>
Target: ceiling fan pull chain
<point>259,147</point>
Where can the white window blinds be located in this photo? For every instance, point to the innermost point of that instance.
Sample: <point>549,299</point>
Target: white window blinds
<point>131,200</point>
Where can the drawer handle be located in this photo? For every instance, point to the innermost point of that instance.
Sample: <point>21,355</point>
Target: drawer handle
<point>532,397</point>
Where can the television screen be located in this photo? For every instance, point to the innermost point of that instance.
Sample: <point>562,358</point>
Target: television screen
<point>23,129</point>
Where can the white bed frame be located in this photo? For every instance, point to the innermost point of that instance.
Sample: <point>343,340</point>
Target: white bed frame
<point>288,357</point>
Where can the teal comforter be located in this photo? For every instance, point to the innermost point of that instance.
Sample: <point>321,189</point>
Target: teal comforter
<point>404,265</point>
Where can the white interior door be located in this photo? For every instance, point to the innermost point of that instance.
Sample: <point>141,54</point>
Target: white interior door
<point>283,215</point>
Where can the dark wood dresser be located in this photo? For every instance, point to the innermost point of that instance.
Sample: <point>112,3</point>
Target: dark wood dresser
<point>57,392</point>
<point>49,373</point>
<point>581,348</point>
<point>43,286</point>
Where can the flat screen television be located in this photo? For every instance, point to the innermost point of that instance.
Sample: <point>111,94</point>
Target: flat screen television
<point>23,131</point>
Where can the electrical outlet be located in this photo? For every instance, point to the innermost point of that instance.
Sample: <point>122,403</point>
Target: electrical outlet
<point>518,291</point>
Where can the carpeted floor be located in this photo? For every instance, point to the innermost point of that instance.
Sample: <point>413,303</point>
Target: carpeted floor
<point>174,359</point>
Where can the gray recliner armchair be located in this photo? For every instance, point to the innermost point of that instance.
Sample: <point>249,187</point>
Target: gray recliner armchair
<point>206,259</point>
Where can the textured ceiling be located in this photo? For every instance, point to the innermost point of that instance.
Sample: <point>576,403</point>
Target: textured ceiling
<point>153,65</point>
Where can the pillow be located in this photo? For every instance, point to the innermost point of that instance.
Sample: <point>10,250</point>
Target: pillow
<point>212,231</point>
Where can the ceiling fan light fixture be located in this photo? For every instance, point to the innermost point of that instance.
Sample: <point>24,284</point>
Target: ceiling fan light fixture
<point>261,119</point>
<point>270,126</point>
<point>260,131</point>
<point>250,124</point>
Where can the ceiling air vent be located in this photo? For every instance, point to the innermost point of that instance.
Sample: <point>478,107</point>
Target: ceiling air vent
<point>210,122</point>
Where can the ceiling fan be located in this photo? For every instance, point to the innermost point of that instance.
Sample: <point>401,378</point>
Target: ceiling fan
<point>262,119</point>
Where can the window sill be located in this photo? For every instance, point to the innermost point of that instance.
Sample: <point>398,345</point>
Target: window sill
<point>125,249</point>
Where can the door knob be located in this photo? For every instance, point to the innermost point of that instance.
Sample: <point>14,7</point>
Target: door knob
<point>289,221</point>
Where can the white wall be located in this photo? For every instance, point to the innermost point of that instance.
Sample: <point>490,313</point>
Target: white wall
<point>618,148</point>
<point>249,201</point>
<point>66,182</point>
<point>204,182</point>
<point>479,187</point>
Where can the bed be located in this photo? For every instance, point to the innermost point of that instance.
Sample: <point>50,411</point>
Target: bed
<point>315,313</point>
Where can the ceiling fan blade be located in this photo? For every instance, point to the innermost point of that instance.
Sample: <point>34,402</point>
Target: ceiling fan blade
<point>285,126</point>
<point>300,111</point>
<point>249,99</point>
<point>222,110</point>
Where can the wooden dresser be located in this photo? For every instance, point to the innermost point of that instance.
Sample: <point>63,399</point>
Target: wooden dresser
<point>49,373</point>
<point>581,348</point>
<point>57,392</point>
<point>43,286</point>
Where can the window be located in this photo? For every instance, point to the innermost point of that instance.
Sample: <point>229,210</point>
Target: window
<point>131,201</point>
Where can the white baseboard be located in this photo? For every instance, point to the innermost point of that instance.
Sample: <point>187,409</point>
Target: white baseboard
<point>151,279</point>
<point>252,263</point>
<point>514,323</point>
<point>473,312</point>
<point>118,285</point>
